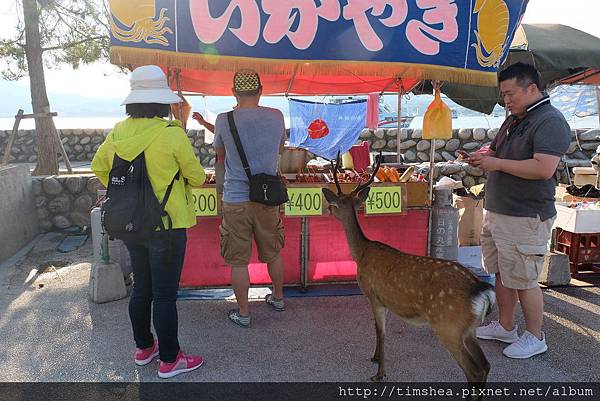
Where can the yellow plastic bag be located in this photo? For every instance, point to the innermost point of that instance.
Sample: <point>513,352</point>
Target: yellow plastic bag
<point>437,122</point>
<point>347,161</point>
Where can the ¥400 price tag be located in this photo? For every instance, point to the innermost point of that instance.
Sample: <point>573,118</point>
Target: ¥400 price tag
<point>205,201</point>
<point>304,202</point>
<point>384,200</point>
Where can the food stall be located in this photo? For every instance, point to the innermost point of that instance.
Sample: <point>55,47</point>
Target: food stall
<point>336,47</point>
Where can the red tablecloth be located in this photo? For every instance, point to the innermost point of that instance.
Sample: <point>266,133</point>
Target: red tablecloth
<point>329,255</point>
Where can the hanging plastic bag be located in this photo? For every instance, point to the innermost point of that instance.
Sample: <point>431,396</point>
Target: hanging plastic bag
<point>437,122</point>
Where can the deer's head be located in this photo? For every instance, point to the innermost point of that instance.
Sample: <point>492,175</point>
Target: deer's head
<point>342,205</point>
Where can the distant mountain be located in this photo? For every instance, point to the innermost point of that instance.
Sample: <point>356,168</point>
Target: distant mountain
<point>13,97</point>
<point>16,96</point>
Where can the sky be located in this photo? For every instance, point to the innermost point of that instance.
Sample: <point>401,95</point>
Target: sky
<point>102,79</point>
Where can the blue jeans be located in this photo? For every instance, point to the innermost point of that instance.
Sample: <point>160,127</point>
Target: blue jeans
<point>157,265</point>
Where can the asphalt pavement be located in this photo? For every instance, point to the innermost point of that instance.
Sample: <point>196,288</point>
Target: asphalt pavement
<point>51,331</point>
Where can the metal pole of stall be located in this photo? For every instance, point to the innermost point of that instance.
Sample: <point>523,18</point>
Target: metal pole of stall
<point>304,244</point>
<point>436,85</point>
<point>431,169</point>
<point>598,100</point>
<point>180,104</point>
<point>398,133</point>
<point>431,178</point>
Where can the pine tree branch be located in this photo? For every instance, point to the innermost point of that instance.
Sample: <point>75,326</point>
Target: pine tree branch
<point>74,27</point>
<point>72,44</point>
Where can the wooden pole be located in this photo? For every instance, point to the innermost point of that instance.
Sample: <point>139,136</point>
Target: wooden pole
<point>289,88</point>
<point>180,104</point>
<point>39,115</point>
<point>398,137</point>
<point>11,139</point>
<point>62,151</point>
<point>431,170</point>
<point>598,101</point>
<point>20,116</point>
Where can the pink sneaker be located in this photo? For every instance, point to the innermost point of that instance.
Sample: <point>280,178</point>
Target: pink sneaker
<point>183,363</point>
<point>146,355</point>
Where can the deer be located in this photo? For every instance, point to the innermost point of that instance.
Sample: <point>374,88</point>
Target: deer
<point>419,289</point>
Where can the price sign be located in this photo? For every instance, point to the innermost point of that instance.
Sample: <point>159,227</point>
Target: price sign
<point>205,201</point>
<point>304,202</point>
<point>383,200</point>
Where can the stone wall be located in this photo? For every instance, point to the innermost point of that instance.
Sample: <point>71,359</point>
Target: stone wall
<point>66,200</point>
<point>81,145</point>
<point>417,150</point>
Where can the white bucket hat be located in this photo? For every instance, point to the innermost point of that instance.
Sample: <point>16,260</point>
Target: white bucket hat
<point>149,85</point>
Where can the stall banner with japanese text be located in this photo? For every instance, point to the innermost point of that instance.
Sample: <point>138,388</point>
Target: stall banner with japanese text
<point>455,40</point>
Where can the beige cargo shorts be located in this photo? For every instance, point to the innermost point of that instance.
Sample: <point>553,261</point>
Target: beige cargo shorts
<point>515,248</point>
<point>247,221</point>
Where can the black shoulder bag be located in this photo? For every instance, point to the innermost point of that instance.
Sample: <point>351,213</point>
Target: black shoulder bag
<point>264,188</point>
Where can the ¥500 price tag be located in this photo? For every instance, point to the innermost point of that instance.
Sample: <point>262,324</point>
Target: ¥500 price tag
<point>384,200</point>
<point>205,201</point>
<point>304,202</point>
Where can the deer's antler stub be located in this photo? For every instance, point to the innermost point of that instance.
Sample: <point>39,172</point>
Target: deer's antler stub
<point>334,170</point>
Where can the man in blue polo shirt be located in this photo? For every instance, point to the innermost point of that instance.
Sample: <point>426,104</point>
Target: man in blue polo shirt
<point>519,202</point>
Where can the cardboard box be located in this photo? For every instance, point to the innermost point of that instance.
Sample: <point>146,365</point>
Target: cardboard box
<point>577,220</point>
<point>584,175</point>
<point>416,192</point>
<point>571,198</point>
<point>559,193</point>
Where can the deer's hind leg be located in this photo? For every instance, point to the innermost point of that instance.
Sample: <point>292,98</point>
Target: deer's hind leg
<point>379,312</point>
<point>478,356</point>
<point>466,352</point>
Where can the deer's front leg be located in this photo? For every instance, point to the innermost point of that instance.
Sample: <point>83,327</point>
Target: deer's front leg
<point>376,356</point>
<point>379,312</point>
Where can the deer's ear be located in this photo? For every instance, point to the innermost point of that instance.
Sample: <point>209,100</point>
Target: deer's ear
<point>332,198</point>
<point>363,195</point>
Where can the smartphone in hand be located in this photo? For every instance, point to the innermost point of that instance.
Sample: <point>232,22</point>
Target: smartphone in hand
<point>463,155</point>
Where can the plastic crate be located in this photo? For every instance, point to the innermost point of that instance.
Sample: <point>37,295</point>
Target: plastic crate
<point>583,250</point>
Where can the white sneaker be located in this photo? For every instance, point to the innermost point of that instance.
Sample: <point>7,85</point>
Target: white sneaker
<point>527,346</point>
<point>495,331</point>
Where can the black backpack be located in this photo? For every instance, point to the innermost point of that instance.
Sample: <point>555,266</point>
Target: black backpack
<point>131,211</point>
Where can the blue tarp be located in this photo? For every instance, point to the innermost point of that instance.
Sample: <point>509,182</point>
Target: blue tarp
<point>345,122</point>
<point>575,100</point>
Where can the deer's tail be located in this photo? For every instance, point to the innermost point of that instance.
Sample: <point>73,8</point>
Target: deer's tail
<point>483,299</point>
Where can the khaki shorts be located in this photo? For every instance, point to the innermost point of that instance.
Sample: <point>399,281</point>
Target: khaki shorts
<point>515,248</point>
<point>245,221</point>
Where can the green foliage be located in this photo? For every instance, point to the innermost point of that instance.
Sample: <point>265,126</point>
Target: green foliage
<point>72,32</point>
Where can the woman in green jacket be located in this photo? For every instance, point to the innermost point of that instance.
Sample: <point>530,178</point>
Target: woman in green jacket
<point>157,262</point>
